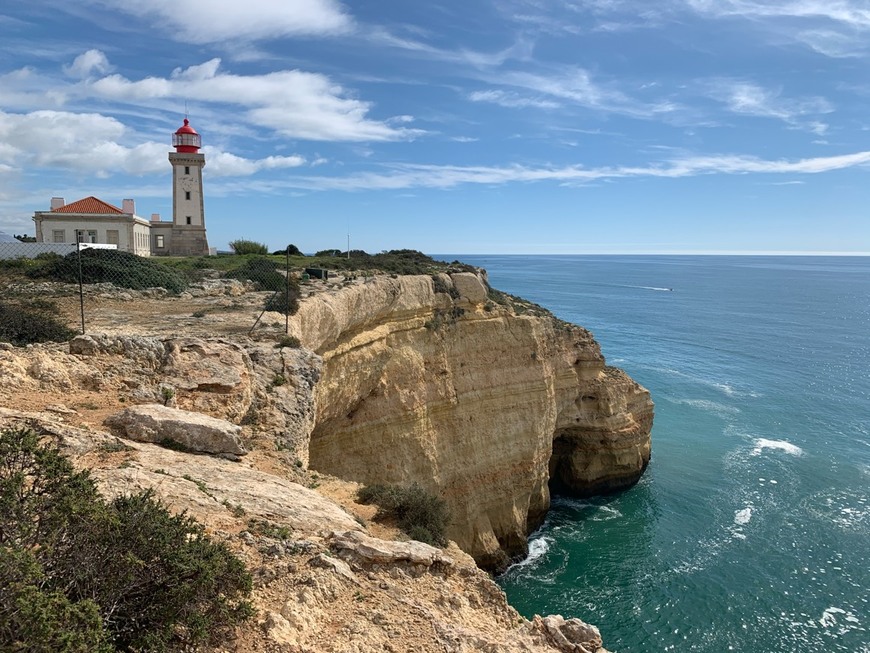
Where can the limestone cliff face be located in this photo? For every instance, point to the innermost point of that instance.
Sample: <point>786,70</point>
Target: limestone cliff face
<point>474,401</point>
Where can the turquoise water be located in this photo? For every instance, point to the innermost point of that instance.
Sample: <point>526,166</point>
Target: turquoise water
<point>750,530</point>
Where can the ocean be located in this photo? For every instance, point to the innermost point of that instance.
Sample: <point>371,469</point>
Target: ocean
<point>750,530</point>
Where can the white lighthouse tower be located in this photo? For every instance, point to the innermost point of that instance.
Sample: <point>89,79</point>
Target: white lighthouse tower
<point>188,213</point>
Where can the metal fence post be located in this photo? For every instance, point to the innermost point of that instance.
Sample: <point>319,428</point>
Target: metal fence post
<point>81,285</point>
<point>287,290</point>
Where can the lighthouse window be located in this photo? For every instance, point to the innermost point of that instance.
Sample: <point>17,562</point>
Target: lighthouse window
<point>187,170</point>
<point>187,194</point>
<point>188,219</point>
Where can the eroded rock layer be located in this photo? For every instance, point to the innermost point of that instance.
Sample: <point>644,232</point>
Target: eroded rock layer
<point>483,403</point>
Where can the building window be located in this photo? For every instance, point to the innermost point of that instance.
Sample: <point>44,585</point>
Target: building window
<point>188,219</point>
<point>187,170</point>
<point>89,236</point>
<point>187,194</point>
<point>58,236</point>
<point>158,242</point>
<point>112,236</point>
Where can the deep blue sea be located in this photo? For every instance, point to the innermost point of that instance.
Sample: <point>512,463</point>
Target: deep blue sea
<point>750,531</point>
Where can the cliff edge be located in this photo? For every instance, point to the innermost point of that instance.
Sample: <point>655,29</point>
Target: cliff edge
<point>483,399</point>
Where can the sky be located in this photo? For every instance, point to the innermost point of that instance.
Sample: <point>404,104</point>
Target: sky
<point>484,126</point>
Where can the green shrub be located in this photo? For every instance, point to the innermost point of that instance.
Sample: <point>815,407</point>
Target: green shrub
<point>288,341</point>
<point>262,271</point>
<point>421,515</point>
<point>284,301</point>
<point>77,572</point>
<point>36,322</point>
<point>242,246</point>
<point>111,266</point>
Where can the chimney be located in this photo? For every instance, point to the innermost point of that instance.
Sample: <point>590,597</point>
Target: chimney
<point>56,203</point>
<point>128,206</point>
<point>155,217</point>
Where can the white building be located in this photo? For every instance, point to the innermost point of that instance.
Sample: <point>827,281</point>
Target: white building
<point>92,220</point>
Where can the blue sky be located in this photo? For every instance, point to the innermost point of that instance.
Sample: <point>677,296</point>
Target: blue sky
<point>503,126</point>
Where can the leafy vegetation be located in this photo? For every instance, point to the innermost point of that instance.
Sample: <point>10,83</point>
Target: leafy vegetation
<point>263,271</point>
<point>291,249</point>
<point>242,246</point>
<point>79,574</point>
<point>111,266</point>
<point>285,301</point>
<point>288,341</point>
<point>421,515</point>
<point>38,321</point>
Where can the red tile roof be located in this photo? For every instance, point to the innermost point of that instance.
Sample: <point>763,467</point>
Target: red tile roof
<point>88,205</point>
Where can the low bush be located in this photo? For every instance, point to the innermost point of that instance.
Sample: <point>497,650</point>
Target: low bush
<point>421,515</point>
<point>111,266</point>
<point>81,574</point>
<point>284,301</point>
<point>262,271</point>
<point>36,322</point>
<point>242,246</point>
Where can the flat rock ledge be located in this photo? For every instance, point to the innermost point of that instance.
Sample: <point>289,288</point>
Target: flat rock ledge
<point>192,431</point>
<point>372,551</point>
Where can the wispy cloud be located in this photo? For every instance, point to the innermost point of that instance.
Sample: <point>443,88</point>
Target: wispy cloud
<point>835,28</point>
<point>512,100</point>
<point>749,99</point>
<point>403,177</point>
<point>216,21</point>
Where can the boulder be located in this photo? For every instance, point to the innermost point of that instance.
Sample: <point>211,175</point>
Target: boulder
<point>194,431</point>
<point>568,635</point>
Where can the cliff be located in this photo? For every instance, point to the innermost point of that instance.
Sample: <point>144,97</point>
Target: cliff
<point>482,398</point>
<point>486,404</point>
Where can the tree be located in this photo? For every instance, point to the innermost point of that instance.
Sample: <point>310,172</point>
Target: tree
<point>24,238</point>
<point>291,249</point>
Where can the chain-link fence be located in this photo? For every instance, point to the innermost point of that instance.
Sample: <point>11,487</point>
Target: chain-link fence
<point>50,290</point>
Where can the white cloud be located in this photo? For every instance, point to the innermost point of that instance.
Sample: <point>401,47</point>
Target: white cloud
<point>92,61</point>
<point>224,164</point>
<point>835,28</point>
<point>92,144</point>
<point>444,177</point>
<point>512,100</point>
<point>575,86</point>
<point>833,44</point>
<point>750,99</point>
<point>216,21</point>
<point>294,103</point>
<point>849,13</point>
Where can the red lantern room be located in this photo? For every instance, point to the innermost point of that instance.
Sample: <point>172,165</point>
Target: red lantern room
<point>186,139</point>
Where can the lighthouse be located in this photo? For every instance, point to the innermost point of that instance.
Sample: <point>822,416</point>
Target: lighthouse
<point>188,210</point>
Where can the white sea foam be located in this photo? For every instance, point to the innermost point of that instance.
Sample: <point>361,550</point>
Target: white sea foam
<point>710,406</point>
<point>742,517</point>
<point>538,548</point>
<point>782,445</point>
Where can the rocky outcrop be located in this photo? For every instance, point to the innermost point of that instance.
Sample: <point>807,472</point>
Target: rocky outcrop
<point>185,429</point>
<point>485,404</point>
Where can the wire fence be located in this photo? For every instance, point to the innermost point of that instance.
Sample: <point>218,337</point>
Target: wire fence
<point>88,289</point>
